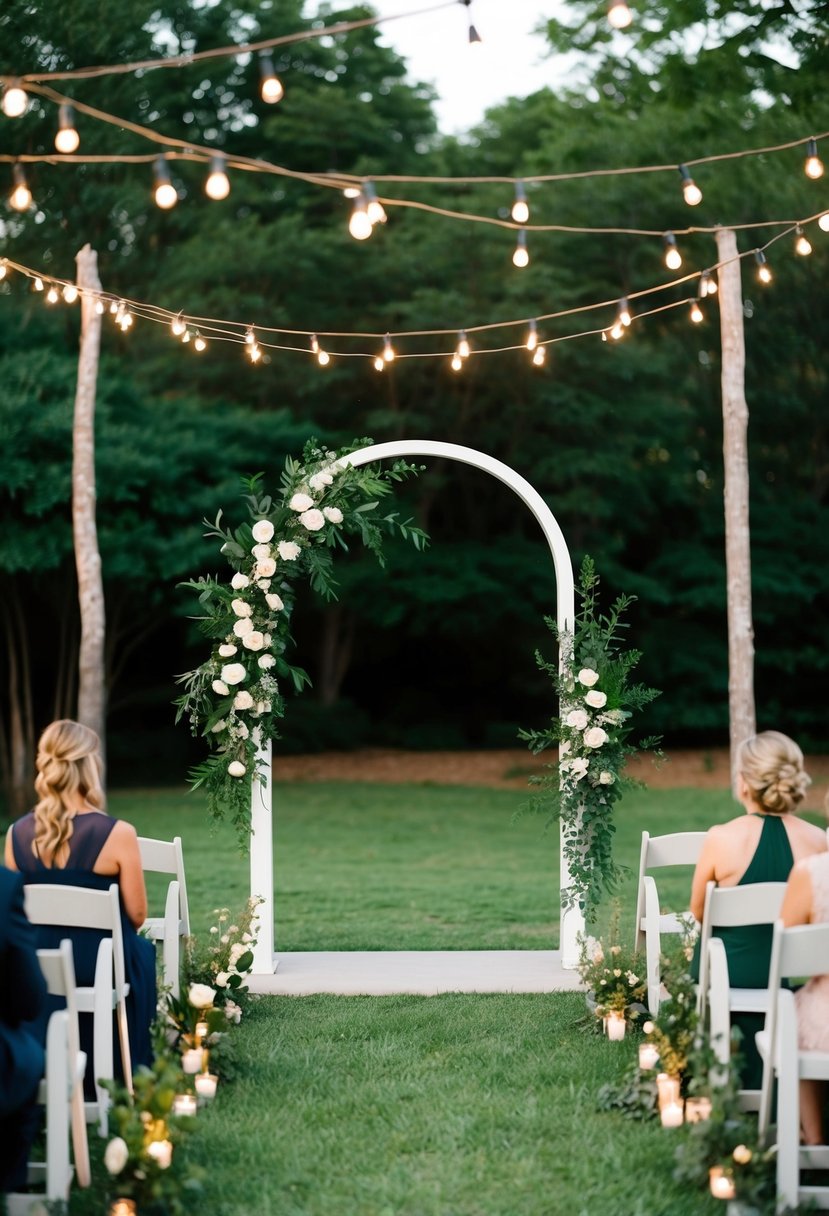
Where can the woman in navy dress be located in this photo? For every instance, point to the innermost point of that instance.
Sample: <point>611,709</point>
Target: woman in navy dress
<point>69,838</point>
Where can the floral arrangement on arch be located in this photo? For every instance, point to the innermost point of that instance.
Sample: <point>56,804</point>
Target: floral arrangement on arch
<point>234,699</point>
<point>597,701</point>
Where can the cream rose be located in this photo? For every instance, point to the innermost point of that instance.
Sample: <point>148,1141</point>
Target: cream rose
<point>595,737</point>
<point>288,550</point>
<point>333,514</point>
<point>243,700</point>
<point>260,551</point>
<point>201,996</point>
<point>116,1155</point>
<point>221,688</point>
<point>236,768</point>
<point>588,677</point>
<point>274,601</point>
<point>266,660</point>
<point>226,650</point>
<point>606,778</point>
<point>595,699</point>
<point>265,567</point>
<point>262,530</point>
<point>239,581</point>
<point>301,502</point>
<point>320,480</point>
<point>577,718</point>
<point>253,640</point>
<point>243,627</point>
<point>312,520</point>
<point>233,1012</point>
<point>241,608</point>
<point>233,673</point>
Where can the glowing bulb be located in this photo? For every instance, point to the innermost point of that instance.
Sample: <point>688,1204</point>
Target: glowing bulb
<point>823,222</point>
<point>376,211</point>
<point>199,342</point>
<point>697,314</point>
<point>37,284</point>
<point>250,338</point>
<point>539,356</point>
<point>619,15</point>
<point>617,330</point>
<point>813,165</point>
<point>521,256</point>
<point>532,336</point>
<point>763,269</point>
<point>3,269</point>
<point>178,326</point>
<point>707,284</point>
<point>323,358</point>
<point>15,101</point>
<point>463,345</point>
<point>217,185</point>
<point>166,195</point>
<point>113,306</point>
<point>673,259</point>
<point>67,139</point>
<point>185,337</point>
<point>270,87</point>
<point>379,363</point>
<point>457,362</point>
<point>254,352</point>
<point>52,296</point>
<point>520,208</point>
<point>802,245</point>
<point>690,190</point>
<point>351,192</point>
<point>99,307</point>
<point>21,196</point>
<point>70,293</point>
<point>624,315</point>
<point>359,225</point>
<point>388,349</point>
<point>315,345</point>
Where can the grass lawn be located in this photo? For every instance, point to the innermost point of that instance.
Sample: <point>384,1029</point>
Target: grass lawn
<point>457,1105</point>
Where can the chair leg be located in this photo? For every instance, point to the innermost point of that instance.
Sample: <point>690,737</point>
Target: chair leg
<point>80,1143</point>
<point>58,1079</point>
<point>788,1105</point>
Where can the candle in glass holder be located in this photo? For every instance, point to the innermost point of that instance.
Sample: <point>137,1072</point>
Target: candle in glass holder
<point>185,1104</point>
<point>616,1026</point>
<point>667,1089</point>
<point>206,1083</point>
<point>697,1110</point>
<point>191,1061</point>
<point>202,1030</point>
<point>122,1207</point>
<point>648,1056</point>
<point>720,1183</point>
<point>671,1114</point>
<point>162,1153</point>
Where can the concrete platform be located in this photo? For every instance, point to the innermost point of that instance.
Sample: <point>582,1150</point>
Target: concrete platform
<point>420,972</point>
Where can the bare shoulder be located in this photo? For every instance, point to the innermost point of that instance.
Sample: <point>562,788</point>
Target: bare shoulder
<point>123,832</point>
<point>815,836</point>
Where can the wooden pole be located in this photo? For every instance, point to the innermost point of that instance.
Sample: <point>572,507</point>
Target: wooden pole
<point>741,710</point>
<point>91,664</point>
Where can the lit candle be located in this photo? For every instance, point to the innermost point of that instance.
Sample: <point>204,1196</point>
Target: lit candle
<point>671,1115</point>
<point>616,1026</point>
<point>184,1104</point>
<point>202,1030</point>
<point>648,1055</point>
<point>162,1153</point>
<point>191,1061</point>
<point>122,1207</point>
<point>668,1090</point>
<point>721,1183</point>
<point>697,1110</point>
<point>206,1083</point>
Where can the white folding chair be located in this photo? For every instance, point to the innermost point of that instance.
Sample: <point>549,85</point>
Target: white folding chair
<point>799,952</point>
<point>82,908</point>
<point>676,849</point>
<point>165,857</point>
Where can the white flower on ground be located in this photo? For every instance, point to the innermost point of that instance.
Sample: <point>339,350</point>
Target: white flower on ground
<point>241,608</point>
<point>201,996</point>
<point>606,778</point>
<point>274,602</point>
<point>595,737</point>
<point>116,1155</point>
<point>260,551</point>
<point>221,688</point>
<point>301,502</point>
<point>577,718</point>
<point>617,972</point>
<point>233,1012</point>
<point>253,640</point>
<point>227,650</point>
<point>595,699</point>
<point>262,530</point>
<point>579,767</point>
<point>588,677</point>
<point>631,978</point>
<point>288,550</point>
<point>239,581</point>
<point>312,520</point>
<point>320,480</point>
<point>214,929</point>
<point>243,700</point>
<point>265,568</point>
<point>236,950</point>
<point>222,978</point>
<point>265,661</point>
<point>236,768</point>
<point>243,626</point>
<point>333,514</point>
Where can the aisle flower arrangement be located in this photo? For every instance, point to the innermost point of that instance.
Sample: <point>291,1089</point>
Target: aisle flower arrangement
<point>613,974</point>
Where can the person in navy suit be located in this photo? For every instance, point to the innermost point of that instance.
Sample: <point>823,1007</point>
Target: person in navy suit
<point>22,998</point>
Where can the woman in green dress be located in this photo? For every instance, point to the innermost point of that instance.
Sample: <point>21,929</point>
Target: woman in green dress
<point>760,845</point>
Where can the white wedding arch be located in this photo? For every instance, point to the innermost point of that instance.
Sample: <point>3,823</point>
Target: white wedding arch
<point>261,844</point>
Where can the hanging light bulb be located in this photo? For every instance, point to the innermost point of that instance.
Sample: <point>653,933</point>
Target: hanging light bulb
<point>70,293</point>
<point>457,362</point>
<point>270,86</point>
<point>539,356</point>
<point>217,185</point>
<point>374,207</point>
<point>52,295</point>
<point>673,258</point>
<point>359,225</point>
<point>323,357</point>
<point>532,336</point>
<point>379,363</point>
<point>254,352</point>
<point>763,269</point>
<point>823,222</point>
<point>3,268</point>
<point>113,306</point>
<point>619,15</point>
<point>463,345</point>
<point>67,139</point>
<point>617,330</point>
<point>21,196</point>
<point>125,319</point>
<point>99,307</point>
<point>37,283</point>
<point>185,337</point>
<point>707,284</point>
<point>814,165</point>
<point>351,192</point>
<point>388,349</point>
<point>802,245</point>
<point>623,315</point>
<point>250,337</point>
<point>199,343</point>
<point>521,256</point>
<point>697,314</point>
<point>166,195</point>
<point>520,208</point>
<point>690,190</point>
<point>15,100</point>
<point>178,326</point>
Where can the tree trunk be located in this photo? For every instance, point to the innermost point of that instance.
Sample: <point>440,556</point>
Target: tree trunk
<point>91,669</point>
<point>17,753</point>
<point>335,653</point>
<point>742,719</point>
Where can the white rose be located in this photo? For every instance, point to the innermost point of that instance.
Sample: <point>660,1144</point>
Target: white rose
<point>260,551</point>
<point>595,737</point>
<point>236,768</point>
<point>233,1012</point>
<point>116,1155</point>
<point>239,581</point>
<point>312,520</point>
<point>588,677</point>
<point>265,567</point>
<point>320,480</point>
<point>606,778</point>
<point>233,673</point>
<point>201,996</point>
<point>222,978</point>
<point>243,627</point>
<point>274,602</point>
<point>268,639</point>
<point>236,952</point>
<point>301,502</point>
<point>264,584</point>
<point>595,699</point>
<point>262,530</point>
<point>220,688</point>
<point>266,660</point>
<point>218,726</point>
<point>241,608</point>
<point>253,640</point>
<point>288,550</point>
<point>579,767</point>
<point>333,514</point>
<point>242,700</point>
<point>227,650</point>
<point>577,718</point>
<point>242,730</point>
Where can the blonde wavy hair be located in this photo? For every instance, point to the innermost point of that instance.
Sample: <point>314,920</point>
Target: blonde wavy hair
<point>772,767</point>
<point>68,763</point>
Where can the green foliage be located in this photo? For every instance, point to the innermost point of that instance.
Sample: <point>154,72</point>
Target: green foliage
<point>614,974</point>
<point>674,1029</point>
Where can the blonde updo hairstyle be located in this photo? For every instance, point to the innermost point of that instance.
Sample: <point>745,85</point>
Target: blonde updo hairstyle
<point>68,763</point>
<point>772,767</point>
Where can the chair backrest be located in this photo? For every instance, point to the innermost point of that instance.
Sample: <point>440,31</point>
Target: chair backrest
<point>757,903</point>
<point>80,908</point>
<point>166,857</point>
<point>801,952</point>
<point>58,967</point>
<point>674,849</point>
